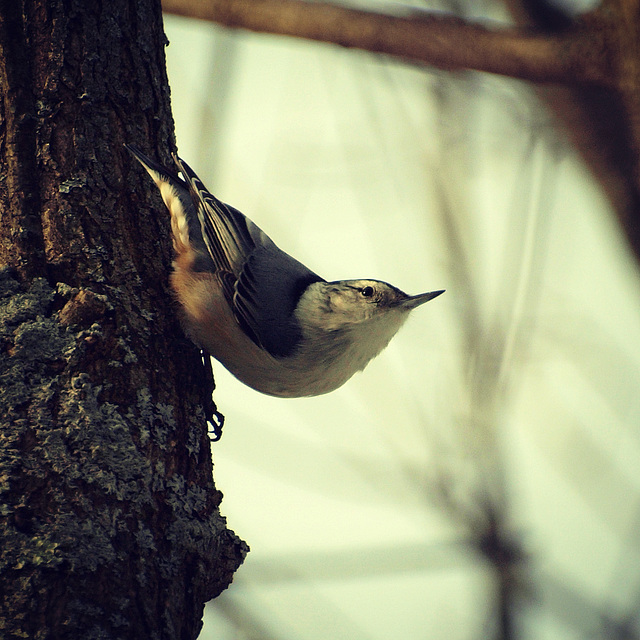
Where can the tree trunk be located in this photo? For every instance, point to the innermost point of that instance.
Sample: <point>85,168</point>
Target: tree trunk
<point>108,513</point>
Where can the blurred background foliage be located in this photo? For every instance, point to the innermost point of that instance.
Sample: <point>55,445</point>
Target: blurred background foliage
<point>480,479</point>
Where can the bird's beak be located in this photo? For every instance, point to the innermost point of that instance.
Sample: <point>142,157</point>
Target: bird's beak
<point>411,302</point>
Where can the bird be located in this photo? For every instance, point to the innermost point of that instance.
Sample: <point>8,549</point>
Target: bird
<point>273,323</point>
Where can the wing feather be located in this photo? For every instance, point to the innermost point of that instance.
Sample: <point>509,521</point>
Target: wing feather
<point>261,283</point>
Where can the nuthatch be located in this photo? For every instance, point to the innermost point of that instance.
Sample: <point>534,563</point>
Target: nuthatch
<point>274,324</point>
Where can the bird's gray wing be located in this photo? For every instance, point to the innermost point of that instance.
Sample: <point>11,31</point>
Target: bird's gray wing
<point>266,296</point>
<point>261,283</point>
<point>227,233</point>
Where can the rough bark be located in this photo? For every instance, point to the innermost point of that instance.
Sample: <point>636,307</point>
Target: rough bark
<point>109,518</point>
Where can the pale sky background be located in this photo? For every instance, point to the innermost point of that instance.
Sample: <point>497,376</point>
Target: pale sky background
<point>517,388</point>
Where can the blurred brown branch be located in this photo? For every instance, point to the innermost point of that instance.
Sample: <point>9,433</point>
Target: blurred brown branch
<point>439,40</point>
<point>588,68</point>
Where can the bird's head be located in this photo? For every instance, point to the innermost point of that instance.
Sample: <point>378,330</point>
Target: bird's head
<point>361,300</point>
<point>350,302</point>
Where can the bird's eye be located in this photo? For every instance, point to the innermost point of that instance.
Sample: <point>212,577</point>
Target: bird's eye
<point>367,292</point>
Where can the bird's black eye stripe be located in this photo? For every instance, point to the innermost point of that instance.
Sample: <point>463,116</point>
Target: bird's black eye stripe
<point>367,292</point>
